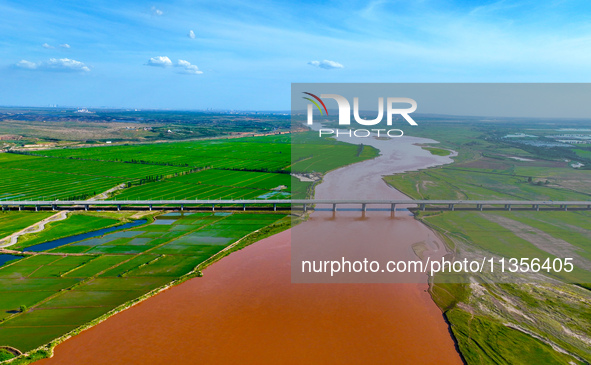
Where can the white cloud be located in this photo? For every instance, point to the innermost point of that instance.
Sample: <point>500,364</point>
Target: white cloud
<point>45,45</point>
<point>54,64</point>
<point>66,64</point>
<point>160,61</point>
<point>185,67</point>
<point>188,68</point>
<point>26,64</point>
<point>156,11</point>
<point>191,34</point>
<point>326,64</point>
<point>65,45</point>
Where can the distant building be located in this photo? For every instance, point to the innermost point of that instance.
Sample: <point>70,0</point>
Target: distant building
<point>520,135</point>
<point>572,141</point>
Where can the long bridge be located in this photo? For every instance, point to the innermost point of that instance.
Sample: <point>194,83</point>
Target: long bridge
<point>292,204</point>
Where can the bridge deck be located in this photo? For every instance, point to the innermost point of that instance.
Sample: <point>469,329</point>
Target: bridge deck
<point>290,201</point>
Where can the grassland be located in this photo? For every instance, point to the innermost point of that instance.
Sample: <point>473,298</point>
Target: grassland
<point>437,151</point>
<point>539,318</point>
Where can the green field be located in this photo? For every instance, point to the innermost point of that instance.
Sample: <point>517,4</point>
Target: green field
<point>214,184</point>
<point>254,153</point>
<point>475,336</point>
<point>543,318</point>
<point>11,222</point>
<point>32,177</point>
<point>437,151</point>
<point>61,293</point>
<point>583,153</point>
<point>75,223</point>
<point>489,178</point>
<point>238,168</point>
<point>544,234</point>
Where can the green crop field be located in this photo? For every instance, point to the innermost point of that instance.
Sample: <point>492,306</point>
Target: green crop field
<point>113,269</point>
<point>254,153</point>
<point>213,184</point>
<point>311,154</point>
<point>74,224</point>
<point>33,177</point>
<point>11,222</point>
<point>237,168</point>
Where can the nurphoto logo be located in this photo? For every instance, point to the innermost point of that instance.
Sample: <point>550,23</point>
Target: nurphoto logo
<point>345,115</point>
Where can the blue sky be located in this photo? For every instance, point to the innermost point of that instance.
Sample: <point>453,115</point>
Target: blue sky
<point>245,54</point>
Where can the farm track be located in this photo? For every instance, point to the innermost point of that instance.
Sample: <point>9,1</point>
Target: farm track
<point>40,226</point>
<point>34,228</point>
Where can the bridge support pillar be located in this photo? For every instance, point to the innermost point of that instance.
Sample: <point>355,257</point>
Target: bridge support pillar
<point>536,207</point>
<point>393,208</point>
<point>564,207</point>
<point>479,207</point>
<point>508,207</point>
<point>452,207</point>
<point>274,207</point>
<point>305,207</point>
<point>36,208</point>
<point>85,206</point>
<point>422,206</point>
<point>364,207</point>
<point>182,207</point>
<point>3,208</point>
<point>118,207</point>
<point>334,207</point>
<point>213,207</point>
<point>20,208</point>
<point>244,207</point>
<point>150,206</point>
<point>53,207</point>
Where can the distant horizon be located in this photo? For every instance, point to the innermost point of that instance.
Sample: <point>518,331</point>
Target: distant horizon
<point>288,112</point>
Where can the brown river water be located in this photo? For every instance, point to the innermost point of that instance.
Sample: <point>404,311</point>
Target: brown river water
<point>246,310</point>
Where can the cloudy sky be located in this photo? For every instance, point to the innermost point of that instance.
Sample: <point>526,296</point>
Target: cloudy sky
<point>244,54</point>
